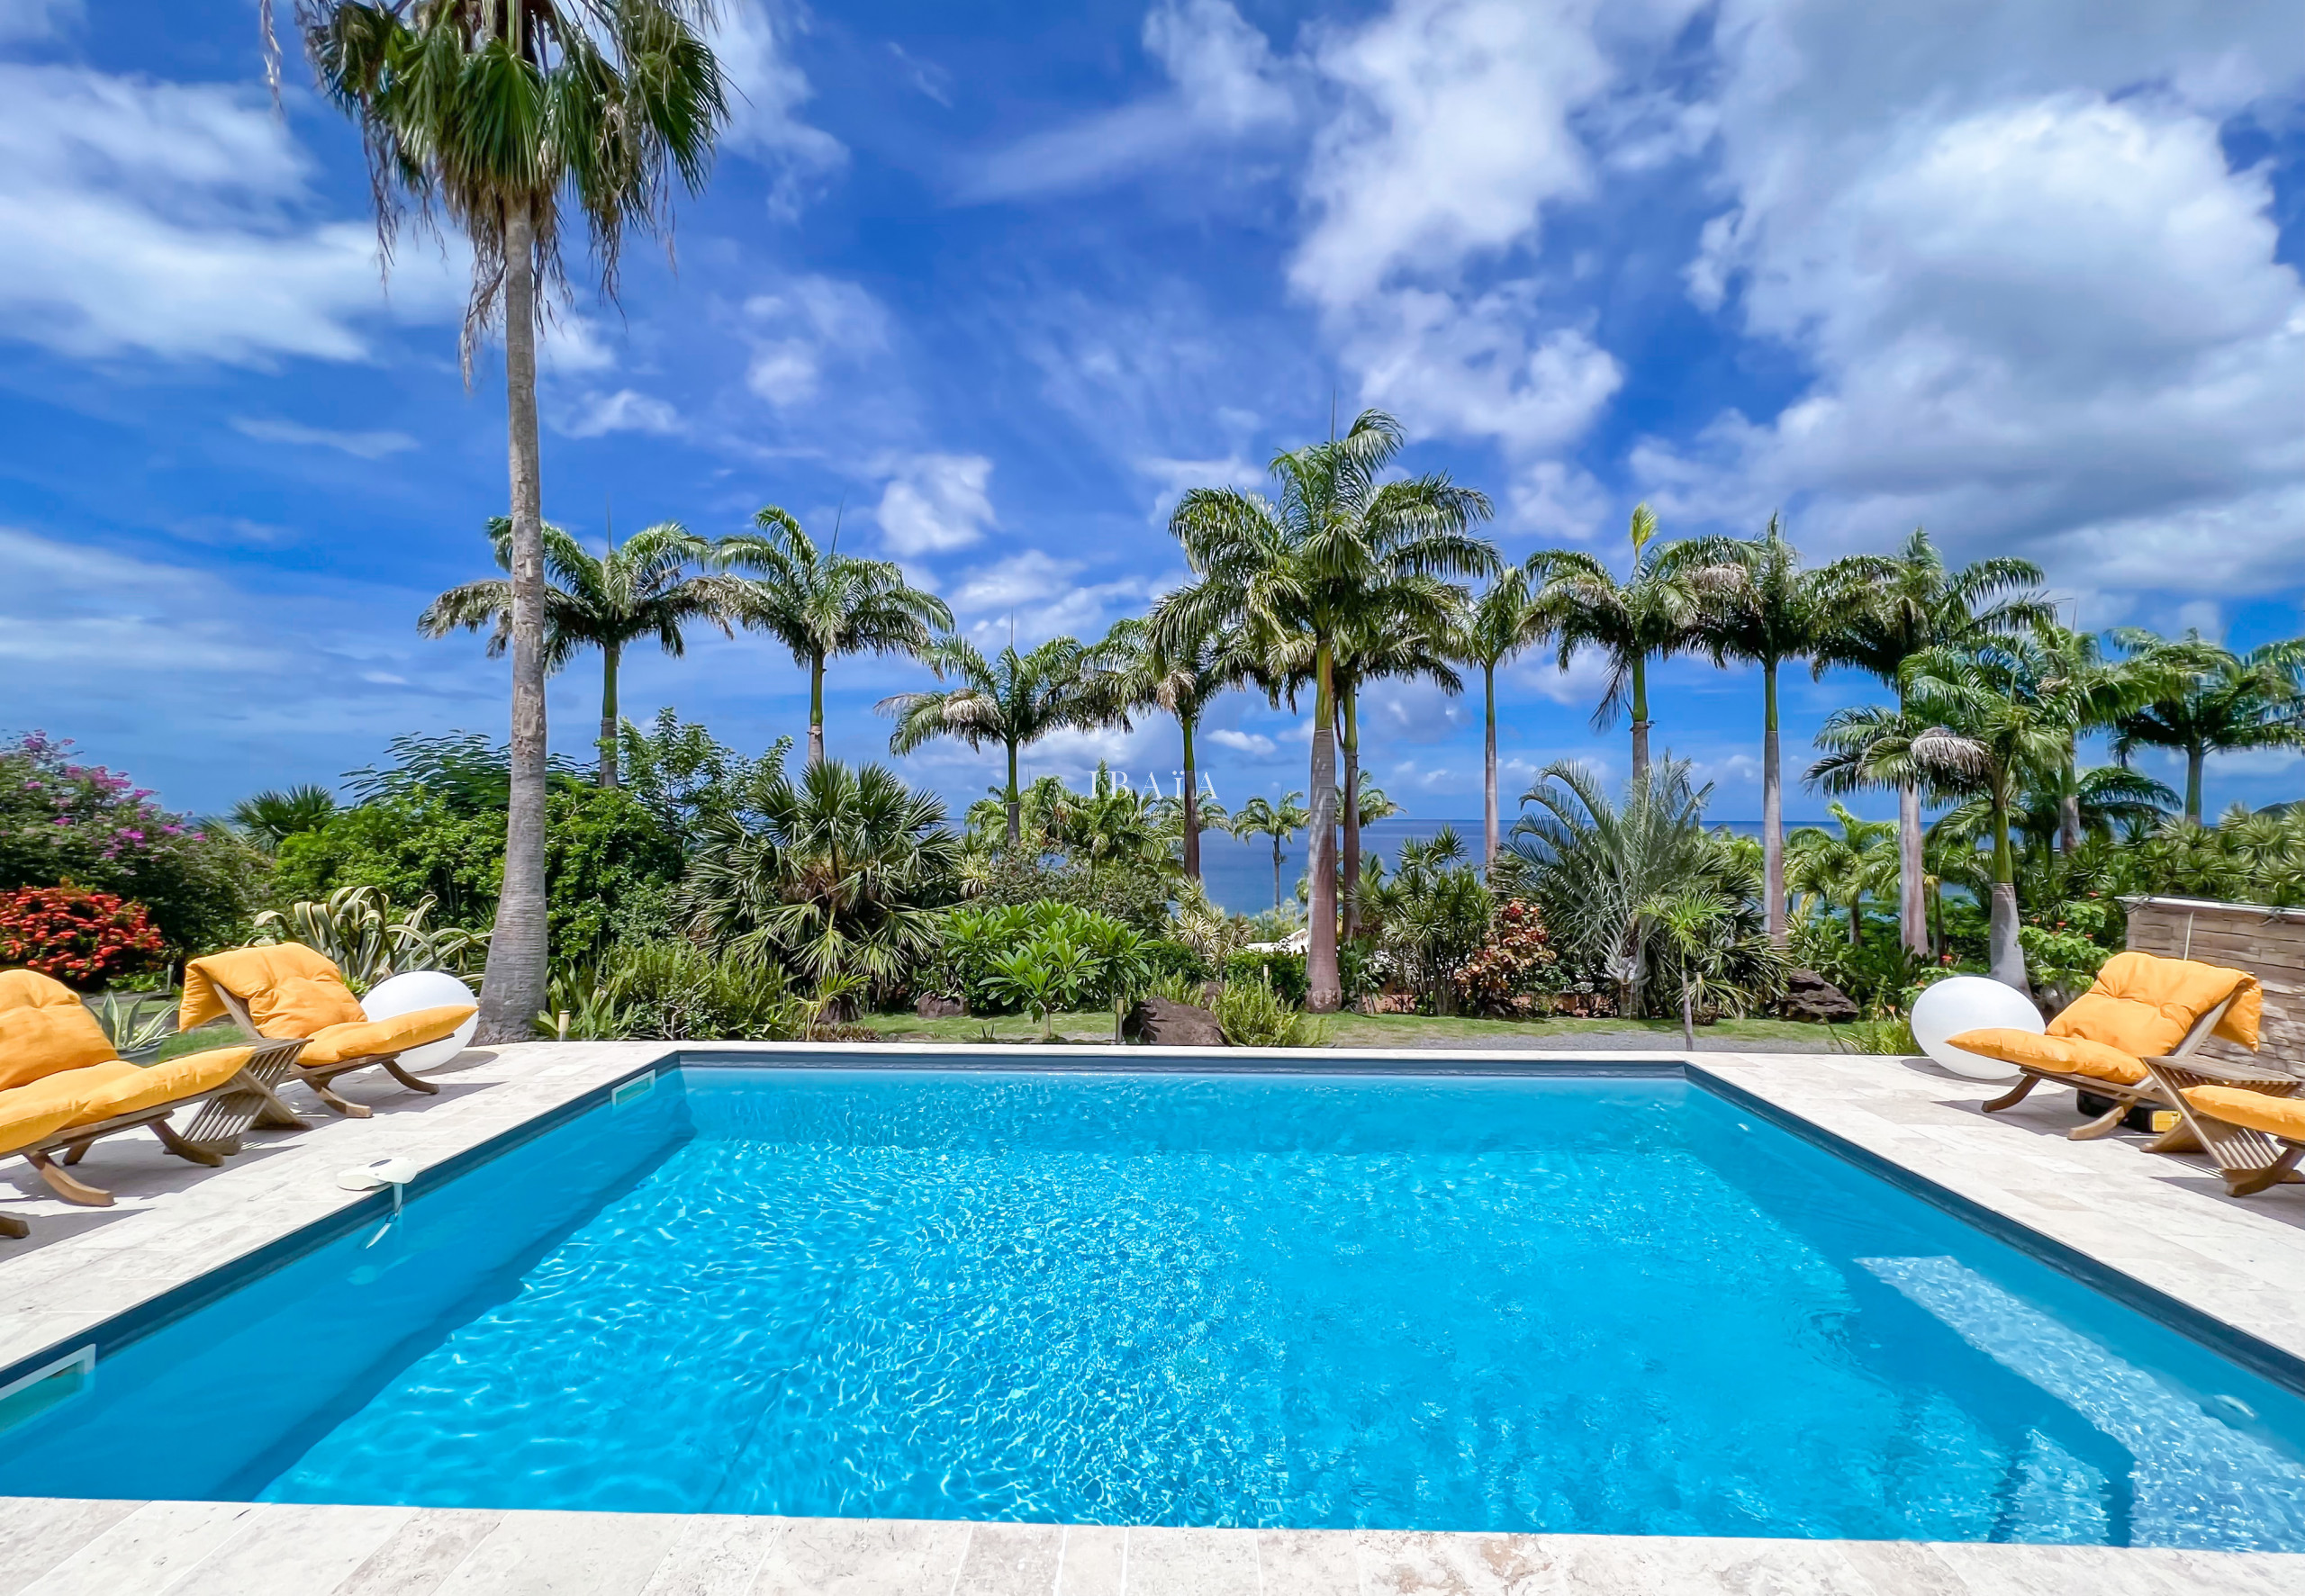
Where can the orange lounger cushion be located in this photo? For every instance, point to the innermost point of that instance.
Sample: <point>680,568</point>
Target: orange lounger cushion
<point>171,1082</point>
<point>370,1039</point>
<point>2062,1055</point>
<point>45,1030</point>
<point>289,991</point>
<point>2275,1116</point>
<point>2144,1004</point>
<point>30,1112</point>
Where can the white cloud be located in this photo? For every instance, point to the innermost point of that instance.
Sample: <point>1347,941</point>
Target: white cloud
<point>1255,745</point>
<point>1223,85</point>
<point>1045,598</point>
<point>804,328</point>
<point>2041,313</point>
<point>624,410</point>
<point>934,503</point>
<point>170,219</point>
<point>1453,125</point>
<point>752,41</point>
<point>364,446</point>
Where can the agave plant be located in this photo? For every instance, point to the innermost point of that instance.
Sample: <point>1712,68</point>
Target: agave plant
<point>360,932</point>
<point>130,1025</point>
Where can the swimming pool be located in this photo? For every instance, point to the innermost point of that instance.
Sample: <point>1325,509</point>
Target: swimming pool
<point>1616,1305</point>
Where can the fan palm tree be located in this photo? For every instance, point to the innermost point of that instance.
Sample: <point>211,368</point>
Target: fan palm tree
<point>1653,614</point>
<point>641,589</point>
<point>1840,868</point>
<point>1919,603</point>
<point>1013,700</point>
<point>1494,628</point>
<point>1263,817</point>
<point>1599,869</point>
<point>1132,669</point>
<point>839,875</point>
<point>822,606</point>
<point>268,817</point>
<point>1293,573</point>
<point>499,113</point>
<point>2213,700</point>
<point>1761,605</point>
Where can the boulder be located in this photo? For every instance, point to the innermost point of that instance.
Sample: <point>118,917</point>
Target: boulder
<point>1808,995</point>
<point>1164,1023</point>
<point>935,1007</point>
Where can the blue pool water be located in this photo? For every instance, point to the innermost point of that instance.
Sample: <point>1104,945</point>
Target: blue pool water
<point>1570,1305</point>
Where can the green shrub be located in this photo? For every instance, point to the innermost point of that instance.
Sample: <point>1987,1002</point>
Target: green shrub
<point>1042,958</point>
<point>673,992</point>
<point>1252,1014</point>
<point>1285,971</point>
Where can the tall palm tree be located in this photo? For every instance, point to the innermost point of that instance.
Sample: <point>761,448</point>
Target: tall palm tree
<point>1296,572</point>
<point>822,606</point>
<point>500,112</point>
<point>1494,628</point>
<point>1919,603</point>
<point>1262,818</point>
<point>1013,700</point>
<point>1760,604</point>
<point>644,589</point>
<point>1652,614</point>
<point>1133,670</point>
<point>2222,702</point>
<point>1839,868</point>
<point>1381,646</point>
<point>1986,721</point>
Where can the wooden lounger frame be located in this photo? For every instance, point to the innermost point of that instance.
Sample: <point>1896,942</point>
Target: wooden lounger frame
<point>319,1076</point>
<point>2251,1160</point>
<point>226,1111</point>
<point>2144,1094</point>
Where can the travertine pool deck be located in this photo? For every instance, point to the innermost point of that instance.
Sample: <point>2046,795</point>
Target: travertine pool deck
<point>2163,1222</point>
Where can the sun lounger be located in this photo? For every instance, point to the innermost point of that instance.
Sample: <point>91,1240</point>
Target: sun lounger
<point>62,1088</point>
<point>2143,1012</point>
<point>288,990</point>
<point>2256,1134</point>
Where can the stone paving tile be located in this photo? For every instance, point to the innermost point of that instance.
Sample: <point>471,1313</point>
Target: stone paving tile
<point>1308,1563</point>
<point>557,1553</point>
<point>293,1550</point>
<point>421,1554</point>
<point>1397,1562</point>
<point>148,1550</point>
<point>1095,1561</point>
<point>1163,1562</point>
<point>715,1554</point>
<point>863,1558</point>
<point>39,1533</point>
<point>1010,1560</point>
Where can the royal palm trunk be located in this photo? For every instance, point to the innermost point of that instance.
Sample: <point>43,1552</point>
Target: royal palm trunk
<point>1488,771</point>
<point>2007,954</point>
<point>1640,716</point>
<point>611,659</point>
<point>512,990</point>
<point>1349,875</point>
<point>1771,812</point>
<point>1912,874</point>
<point>1324,993</point>
<point>1193,805</point>
<point>1015,803</point>
<point>816,719</point>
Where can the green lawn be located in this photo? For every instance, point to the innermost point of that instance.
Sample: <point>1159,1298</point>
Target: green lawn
<point>1365,1031</point>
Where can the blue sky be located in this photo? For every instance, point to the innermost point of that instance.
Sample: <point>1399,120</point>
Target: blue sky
<point>991,286</point>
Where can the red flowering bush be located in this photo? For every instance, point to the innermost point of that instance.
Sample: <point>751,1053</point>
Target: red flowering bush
<point>82,938</point>
<point>1518,958</point>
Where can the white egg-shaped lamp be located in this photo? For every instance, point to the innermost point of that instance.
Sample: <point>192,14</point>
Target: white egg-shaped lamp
<point>1971,1002</point>
<point>406,993</point>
